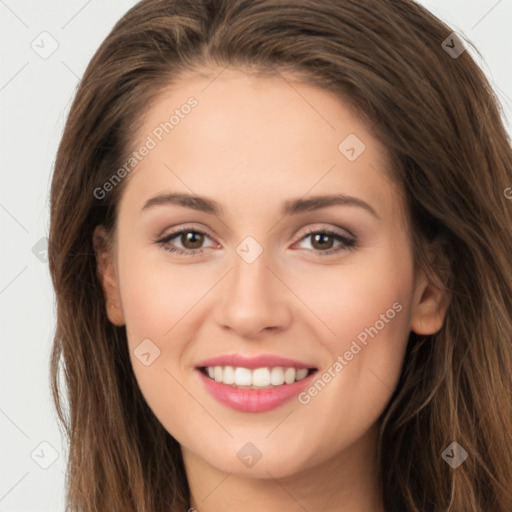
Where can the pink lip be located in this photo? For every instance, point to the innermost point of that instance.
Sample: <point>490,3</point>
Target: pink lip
<point>254,400</point>
<point>261,361</point>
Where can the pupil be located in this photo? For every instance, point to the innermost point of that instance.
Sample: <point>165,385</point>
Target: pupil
<point>189,237</point>
<point>319,237</point>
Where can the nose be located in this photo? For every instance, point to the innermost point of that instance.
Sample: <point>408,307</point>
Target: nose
<point>253,299</point>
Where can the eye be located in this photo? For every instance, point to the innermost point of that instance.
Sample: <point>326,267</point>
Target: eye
<point>190,239</point>
<point>322,241</point>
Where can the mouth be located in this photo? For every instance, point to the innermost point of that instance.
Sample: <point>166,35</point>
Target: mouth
<point>255,383</point>
<point>256,378</point>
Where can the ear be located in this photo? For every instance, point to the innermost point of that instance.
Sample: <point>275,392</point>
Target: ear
<point>430,303</point>
<point>107,275</point>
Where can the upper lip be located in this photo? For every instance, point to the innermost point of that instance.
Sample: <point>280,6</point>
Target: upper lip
<point>260,361</point>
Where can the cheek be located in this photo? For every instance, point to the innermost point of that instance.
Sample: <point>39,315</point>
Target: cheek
<point>375,321</point>
<point>155,294</point>
<point>371,318</point>
<point>155,302</point>
<point>345,300</point>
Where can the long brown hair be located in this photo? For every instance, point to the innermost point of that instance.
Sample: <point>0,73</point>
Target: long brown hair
<point>441,122</point>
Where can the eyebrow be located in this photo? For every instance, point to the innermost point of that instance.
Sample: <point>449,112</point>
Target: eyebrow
<point>290,207</point>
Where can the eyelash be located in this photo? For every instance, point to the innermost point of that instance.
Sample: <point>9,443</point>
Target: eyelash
<point>349,243</point>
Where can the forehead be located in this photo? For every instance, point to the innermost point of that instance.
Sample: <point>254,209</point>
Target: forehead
<point>261,105</point>
<point>266,135</point>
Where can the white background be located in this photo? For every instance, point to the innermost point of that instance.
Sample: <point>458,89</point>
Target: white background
<point>35,96</point>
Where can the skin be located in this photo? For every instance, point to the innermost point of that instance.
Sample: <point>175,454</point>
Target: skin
<point>251,144</point>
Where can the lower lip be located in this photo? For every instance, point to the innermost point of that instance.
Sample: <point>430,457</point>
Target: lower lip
<point>254,400</point>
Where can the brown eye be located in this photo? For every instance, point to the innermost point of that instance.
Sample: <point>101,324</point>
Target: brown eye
<point>321,241</point>
<point>184,242</point>
<point>192,239</point>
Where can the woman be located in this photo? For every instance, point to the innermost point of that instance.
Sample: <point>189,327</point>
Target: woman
<point>280,245</point>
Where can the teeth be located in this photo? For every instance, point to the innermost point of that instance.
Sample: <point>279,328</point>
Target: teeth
<point>301,373</point>
<point>243,376</point>
<point>289,375</point>
<point>276,376</point>
<point>261,377</point>
<point>228,375</point>
<point>257,378</point>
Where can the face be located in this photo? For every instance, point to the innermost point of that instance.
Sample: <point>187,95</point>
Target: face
<point>268,266</point>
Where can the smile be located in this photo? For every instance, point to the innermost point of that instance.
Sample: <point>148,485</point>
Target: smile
<point>255,383</point>
<point>258,378</point>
